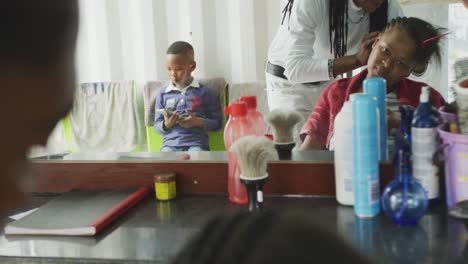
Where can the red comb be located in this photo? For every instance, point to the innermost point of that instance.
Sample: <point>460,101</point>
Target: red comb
<point>434,38</point>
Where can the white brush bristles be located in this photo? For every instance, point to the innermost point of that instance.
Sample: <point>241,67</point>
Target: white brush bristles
<point>253,153</point>
<point>283,123</point>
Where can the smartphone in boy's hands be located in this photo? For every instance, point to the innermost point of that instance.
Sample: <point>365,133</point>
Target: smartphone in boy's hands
<point>183,115</point>
<point>170,118</point>
<point>162,111</point>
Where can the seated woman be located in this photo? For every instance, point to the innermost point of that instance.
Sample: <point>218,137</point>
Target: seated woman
<point>404,45</point>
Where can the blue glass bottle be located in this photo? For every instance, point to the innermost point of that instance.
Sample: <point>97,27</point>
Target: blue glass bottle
<point>404,200</point>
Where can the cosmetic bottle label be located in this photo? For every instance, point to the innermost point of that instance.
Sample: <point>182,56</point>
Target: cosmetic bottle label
<point>374,192</point>
<point>424,145</point>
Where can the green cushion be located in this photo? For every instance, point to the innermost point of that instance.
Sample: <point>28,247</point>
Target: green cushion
<point>155,140</point>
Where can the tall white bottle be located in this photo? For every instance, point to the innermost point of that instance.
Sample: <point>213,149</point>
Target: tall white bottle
<point>342,144</point>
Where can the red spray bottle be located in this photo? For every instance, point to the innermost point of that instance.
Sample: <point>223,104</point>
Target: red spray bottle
<point>253,114</point>
<point>237,126</point>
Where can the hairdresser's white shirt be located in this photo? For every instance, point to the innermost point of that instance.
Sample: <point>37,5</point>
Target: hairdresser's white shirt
<point>304,49</point>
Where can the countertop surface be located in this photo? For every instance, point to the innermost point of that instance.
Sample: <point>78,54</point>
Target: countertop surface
<point>153,232</point>
<point>211,156</point>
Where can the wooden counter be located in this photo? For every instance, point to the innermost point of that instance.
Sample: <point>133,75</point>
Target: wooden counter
<point>154,232</point>
<point>193,177</point>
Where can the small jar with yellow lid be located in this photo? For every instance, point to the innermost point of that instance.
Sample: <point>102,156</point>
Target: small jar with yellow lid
<point>165,186</point>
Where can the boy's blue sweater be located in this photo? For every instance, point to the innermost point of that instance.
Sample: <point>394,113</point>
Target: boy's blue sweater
<point>197,99</point>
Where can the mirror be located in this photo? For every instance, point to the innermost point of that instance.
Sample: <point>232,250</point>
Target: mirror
<point>127,40</point>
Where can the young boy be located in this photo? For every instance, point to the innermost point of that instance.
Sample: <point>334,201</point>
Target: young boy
<point>404,45</point>
<point>185,110</point>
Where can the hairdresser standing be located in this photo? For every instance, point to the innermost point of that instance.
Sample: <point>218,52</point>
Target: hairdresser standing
<point>318,41</point>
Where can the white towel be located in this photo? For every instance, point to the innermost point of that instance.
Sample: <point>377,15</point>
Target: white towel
<point>105,118</point>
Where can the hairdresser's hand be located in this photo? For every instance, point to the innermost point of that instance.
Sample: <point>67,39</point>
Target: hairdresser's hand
<point>170,120</point>
<point>365,48</point>
<point>393,121</point>
<point>191,121</point>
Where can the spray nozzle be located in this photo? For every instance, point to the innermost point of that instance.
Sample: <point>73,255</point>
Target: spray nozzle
<point>424,98</point>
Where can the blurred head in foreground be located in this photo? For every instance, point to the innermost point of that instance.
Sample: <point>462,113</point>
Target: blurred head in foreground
<point>36,81</point>
<point>266,238</point>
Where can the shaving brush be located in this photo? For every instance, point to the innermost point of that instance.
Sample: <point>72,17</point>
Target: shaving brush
<point>253,152</point>
<point>283,123</point>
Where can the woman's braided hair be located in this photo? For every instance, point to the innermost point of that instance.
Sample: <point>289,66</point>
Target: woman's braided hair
<point>420,31</point>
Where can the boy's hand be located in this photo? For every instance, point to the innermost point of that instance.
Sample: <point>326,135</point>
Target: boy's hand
<point>191,121</point>
<point>170,120</point>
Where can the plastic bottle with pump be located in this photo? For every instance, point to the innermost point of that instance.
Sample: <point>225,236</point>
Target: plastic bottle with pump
<point>424,144</point>
<point>237,126</point>
<point>253,114</point>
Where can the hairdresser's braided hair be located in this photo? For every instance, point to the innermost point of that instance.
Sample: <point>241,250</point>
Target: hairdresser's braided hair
<point>338,33</point>
<point>338,21</point>
<point>420,31</point>
<point>379,19</point>
<point>287,10</point>
<point>262,238</point>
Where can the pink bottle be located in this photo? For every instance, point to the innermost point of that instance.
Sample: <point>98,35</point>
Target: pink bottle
<point>238,126</point>
<point>253,114</point>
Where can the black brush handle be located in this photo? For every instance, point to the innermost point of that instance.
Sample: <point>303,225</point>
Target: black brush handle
<point>259,188</point>
<point>259,203</point>
<point>251,188</point>
<point>285,150</point>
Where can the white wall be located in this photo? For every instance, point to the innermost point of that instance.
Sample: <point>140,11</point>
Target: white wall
<point>127,39</point>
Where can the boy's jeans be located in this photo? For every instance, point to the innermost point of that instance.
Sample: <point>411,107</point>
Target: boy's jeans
<point>183,148</point>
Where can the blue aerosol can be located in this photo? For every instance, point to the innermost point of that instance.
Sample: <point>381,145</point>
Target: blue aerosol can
<point>365,156</point>
<point>377,87</point>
